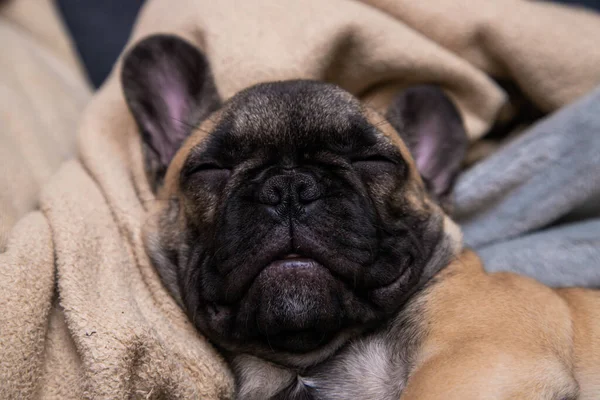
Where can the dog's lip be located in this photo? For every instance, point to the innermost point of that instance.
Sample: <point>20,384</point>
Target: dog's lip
<point>305,253</point>
<point>295,259</point>
<point>291,261</point>
<point>292,256</point>
<point>296,262</point>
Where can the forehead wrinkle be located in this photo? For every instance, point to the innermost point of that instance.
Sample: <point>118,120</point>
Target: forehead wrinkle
<point>276,115</point>
<point>257,114</point>
<point>292,114</point>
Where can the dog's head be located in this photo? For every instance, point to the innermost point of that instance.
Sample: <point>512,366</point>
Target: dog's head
<point>291,217</point>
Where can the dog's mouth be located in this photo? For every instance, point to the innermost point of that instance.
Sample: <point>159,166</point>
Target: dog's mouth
<point>306,258</point>
<point>295,261</point>
<point>292,263</point>
<point>294,303</point>
<point>292,256</point>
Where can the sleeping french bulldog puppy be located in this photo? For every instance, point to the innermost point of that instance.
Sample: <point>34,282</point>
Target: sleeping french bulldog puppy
<point>305,235</point>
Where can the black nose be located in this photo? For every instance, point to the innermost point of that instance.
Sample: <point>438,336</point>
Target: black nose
<point>290,189</point>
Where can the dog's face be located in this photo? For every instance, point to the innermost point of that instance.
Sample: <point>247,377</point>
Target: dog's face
<point>289,218</point>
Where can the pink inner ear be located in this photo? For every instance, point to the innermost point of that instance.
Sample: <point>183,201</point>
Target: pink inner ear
<point>175,103</point>
<point>174,96</point>
<point>169,90</point>
<point>426,150</point>
<point>429,155</point>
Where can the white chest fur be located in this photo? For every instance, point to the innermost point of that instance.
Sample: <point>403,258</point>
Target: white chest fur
<point>367,369</point>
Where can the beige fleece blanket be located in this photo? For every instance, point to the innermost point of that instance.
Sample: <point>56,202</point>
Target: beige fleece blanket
<point>42,95</point>
<point>82,312</point>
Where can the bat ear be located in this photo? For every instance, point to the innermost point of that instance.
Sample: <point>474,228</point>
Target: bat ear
<point>169,89</point>
<point>431,126</point>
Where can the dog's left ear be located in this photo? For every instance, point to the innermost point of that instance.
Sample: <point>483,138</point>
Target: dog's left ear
<point>432,128</point>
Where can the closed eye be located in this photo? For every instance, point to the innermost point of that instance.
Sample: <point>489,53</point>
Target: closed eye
<point>375,158</point>
<point>379,166</point>
<point>206,168</point>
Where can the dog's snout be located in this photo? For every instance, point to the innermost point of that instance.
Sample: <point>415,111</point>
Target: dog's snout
<point>292,189</point>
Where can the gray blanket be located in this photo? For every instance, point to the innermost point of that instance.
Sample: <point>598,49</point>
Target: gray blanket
<point>534,206</point>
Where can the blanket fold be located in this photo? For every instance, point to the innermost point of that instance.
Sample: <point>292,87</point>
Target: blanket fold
<point>84,314</point>
<point>42,95</point>
<point>550,50</point>
<point>520,207</point>
<point>27,291</point>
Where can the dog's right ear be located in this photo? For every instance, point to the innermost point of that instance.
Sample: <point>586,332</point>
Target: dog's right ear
<point>169,89</point>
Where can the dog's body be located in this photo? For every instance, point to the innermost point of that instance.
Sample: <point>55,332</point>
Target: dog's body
<point>300,235</point>
<point>504,336</point>
<point>466,335</point>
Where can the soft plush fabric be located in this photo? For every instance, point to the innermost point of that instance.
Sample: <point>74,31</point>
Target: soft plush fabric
<point>42,95</point>
<point>84,314</point>
<point>534,206</point>
<point>100,29</point>
<point>548,49</point>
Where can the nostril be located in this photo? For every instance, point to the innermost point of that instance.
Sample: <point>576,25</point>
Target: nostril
<point>307,191</point>
<point>270,196</point>
<point>272,192</point>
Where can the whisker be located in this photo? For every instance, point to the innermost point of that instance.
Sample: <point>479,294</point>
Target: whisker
<point>191,126</point>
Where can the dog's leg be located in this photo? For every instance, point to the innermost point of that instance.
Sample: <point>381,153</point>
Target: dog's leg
<point>472,373</point>
<point>492,336</point>
<point>585,311</point>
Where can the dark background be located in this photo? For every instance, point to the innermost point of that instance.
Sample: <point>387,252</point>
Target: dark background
<point>100,29</point>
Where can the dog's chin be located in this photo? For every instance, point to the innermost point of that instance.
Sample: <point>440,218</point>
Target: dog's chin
<point>296,312</point>
<point>296,305</point>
